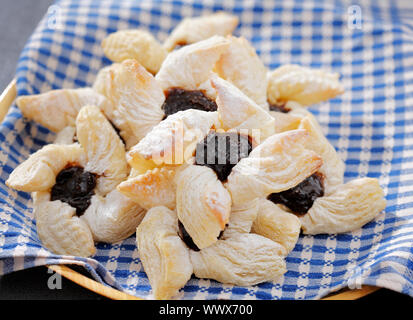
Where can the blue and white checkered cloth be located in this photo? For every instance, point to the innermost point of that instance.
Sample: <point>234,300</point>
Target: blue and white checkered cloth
<point>370,44</point>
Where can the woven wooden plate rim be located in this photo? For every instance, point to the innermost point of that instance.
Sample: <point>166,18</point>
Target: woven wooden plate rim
<point>6,100</point>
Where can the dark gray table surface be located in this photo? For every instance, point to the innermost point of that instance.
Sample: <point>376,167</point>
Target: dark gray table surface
<point>18,18</point>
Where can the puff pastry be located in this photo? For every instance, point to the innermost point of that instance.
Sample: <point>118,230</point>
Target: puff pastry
<point>38,172</point>
<point>333,167</point>
<point>237,111</point>
<point>164,255</point>
<point>59,229</point>
<point>136,99</point>
<point>297,109</point>
<point>241,66</point>
<point>203,204</point>
<point>190,67</point>
<point>66,136</point>
<point>277,164</point>
<point>173,140</point>
<point>291,119</point>
<point>303,85</point>
<point>243,260</point>
<point>350,207</point>
<point>191,30</point>
<point>241,219</point>
<point>58,109</point>
<point>135,44</point>
<point>285,121</point>
<point>276,224</point>
<point>112,218</point>
<point>153,188</point>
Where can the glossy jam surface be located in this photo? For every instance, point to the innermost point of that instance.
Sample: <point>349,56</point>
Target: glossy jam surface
<point>301,198</point>
<point>279,108</point>
<point>222,151</point>
<point>179,100</point>
<point>75,187</point>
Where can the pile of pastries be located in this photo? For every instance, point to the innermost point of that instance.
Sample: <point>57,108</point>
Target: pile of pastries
<point>211,158</point>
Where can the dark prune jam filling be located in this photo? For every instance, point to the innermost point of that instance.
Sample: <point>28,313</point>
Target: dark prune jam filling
<point>75,187</point>
<point>180,99</point>
<point>184,235</point>
<point>279,108</point>
<point>222,232</point>
<point>301,198</point>
<point>222,151</point>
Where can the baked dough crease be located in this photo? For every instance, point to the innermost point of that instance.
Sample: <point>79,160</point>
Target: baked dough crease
<point>74,188</point>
